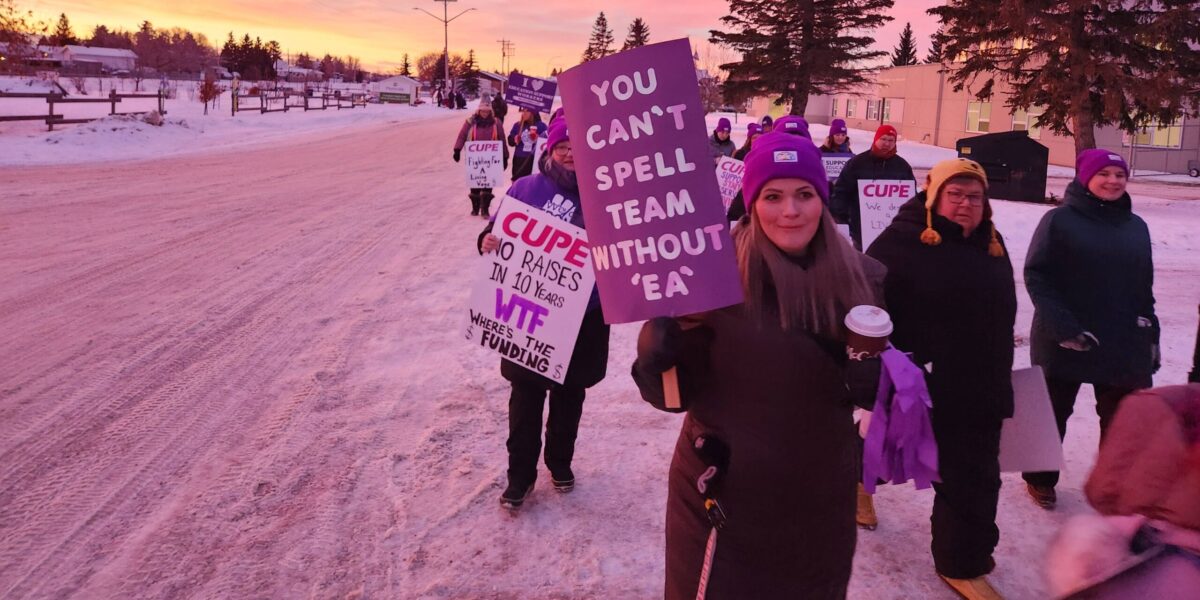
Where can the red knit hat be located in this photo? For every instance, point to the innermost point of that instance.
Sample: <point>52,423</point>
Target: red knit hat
<point>884,130</point>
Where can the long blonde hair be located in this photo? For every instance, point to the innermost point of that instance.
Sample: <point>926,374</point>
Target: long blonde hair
<point>811,294</point>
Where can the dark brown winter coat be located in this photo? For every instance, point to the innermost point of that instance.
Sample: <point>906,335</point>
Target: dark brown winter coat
<point>779,401</point>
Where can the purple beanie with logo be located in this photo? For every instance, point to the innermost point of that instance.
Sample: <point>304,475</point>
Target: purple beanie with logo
<point>794,125</point>
<point>556,134</point>
<point>753,129</point>
<point>778,155</point>
<point>838,126</point>
<point>1090,162</point>
<point>767,121</point>
<point>724,125</point>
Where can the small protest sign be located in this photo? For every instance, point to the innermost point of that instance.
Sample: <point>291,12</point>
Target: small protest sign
<point>729,178</point>
<point>533,291</point>
<point>485,163</point>
<point>879,201</point>
<point>660,241</point>
<point>530,92</point>
<point>834,163</point>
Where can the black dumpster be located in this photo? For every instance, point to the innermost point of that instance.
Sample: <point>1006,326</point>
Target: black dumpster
<point>1015,165</point>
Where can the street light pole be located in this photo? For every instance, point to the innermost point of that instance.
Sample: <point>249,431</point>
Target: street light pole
<point>445,19</point>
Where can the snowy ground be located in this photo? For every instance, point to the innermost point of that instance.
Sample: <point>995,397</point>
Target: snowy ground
<point>257,390</point>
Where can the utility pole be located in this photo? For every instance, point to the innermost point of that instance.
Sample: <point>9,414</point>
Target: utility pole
<point>507,51</point>
<point>445,19</point>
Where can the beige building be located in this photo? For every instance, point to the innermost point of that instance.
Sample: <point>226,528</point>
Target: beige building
<point>923,106</point>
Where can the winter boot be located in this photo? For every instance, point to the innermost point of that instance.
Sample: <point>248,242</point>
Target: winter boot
<point>865,514</point>
<point>563,480</point>
<point>972,589</point>
<point>1044,495</point>
<point>485,204</point>
<point>474,204</point>
<point>515,495</point>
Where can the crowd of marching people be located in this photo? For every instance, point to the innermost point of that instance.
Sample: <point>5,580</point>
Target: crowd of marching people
<point>769,453</point>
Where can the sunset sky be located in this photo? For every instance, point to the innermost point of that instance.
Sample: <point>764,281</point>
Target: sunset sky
<point>546,34</point>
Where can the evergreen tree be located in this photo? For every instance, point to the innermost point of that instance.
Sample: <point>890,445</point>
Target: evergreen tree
<point>1087,64</point>
<point>470,75</point>
<point>906,53</point>
<point>796,48</point>
<point>304,61</point>
<point>63,35</point>
<point>600,44</point>
<point>406,67</point>
<point>639,35</point>
<point>935,46</point>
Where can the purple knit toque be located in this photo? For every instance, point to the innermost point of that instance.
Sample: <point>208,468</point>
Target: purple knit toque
<point>838,126</point>
<point>794,125</point>
<point>557,134</point>
<point>724,125</point>
<point>1090,162</point>
<point>778,155</point>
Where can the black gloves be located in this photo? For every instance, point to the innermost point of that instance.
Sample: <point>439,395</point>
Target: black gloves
<point>862,381</point>
<point>659,345</point>
<point>505,162</point>
<point>457,155</point>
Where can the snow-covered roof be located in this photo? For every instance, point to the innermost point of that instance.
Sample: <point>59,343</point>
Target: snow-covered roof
<point>400,79</point>
<point>492,76</point>
<point>105,52</point>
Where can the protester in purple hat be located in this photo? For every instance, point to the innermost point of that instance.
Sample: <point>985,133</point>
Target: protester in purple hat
<point>794,125</point>
<point>770,443</point>
<point>720,143</point>
<point>753,130</point>
<point>553,189</point>
<point>524,137</point>
<point>1090,274</point>
<point>838,140</point>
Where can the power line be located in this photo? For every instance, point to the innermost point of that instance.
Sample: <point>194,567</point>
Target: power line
<point>507,51</point>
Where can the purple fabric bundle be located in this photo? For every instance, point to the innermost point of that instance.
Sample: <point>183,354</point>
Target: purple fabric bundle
<point>900,443</point>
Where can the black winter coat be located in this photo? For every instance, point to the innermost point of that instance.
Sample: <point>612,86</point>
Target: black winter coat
<point>952,305</point>
<point>1089,268</point>
<point>779,402</point>
<point>843,203</point>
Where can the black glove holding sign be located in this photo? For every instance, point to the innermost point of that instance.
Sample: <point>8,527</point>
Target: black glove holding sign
<point>659,345</point>
<point>457,155</point>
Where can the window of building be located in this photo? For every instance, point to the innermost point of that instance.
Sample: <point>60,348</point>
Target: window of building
<point>1025,121</point>
<point>850,107</point>
<point>872,110</point>
<point>979,116</point>
<point>1158,135</point>
<point>834,109</point>
<point>887,111</point>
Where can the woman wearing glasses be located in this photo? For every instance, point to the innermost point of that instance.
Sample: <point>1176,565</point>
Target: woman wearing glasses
<point>950,290</point>
<point>554,190</point>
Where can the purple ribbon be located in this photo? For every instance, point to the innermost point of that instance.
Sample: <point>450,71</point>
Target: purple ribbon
<point>900,443</point>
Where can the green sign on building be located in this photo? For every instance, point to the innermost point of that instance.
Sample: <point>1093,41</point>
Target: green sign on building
<point>395,98</point>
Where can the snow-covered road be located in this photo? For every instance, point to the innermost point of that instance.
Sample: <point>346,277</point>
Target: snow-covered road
<point>240,374</point>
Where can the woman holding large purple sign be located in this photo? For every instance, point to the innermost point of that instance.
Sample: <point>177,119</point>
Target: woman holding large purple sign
<point>766,453</point>
<point>555,190</point>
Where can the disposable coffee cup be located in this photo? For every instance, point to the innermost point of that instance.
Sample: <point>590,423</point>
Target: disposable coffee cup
<point>869,328</point>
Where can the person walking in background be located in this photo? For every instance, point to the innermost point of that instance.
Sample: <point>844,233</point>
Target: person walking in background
<point>1090,275</point>
<point>880,162</point>
<point>764,442</point>
<point>524,137</point>
<point>499,108</point>
<point>838,140</point>
<point>953,301</point>
<point>719,143</point>
<point>480,126</point>
<point>555,190</point>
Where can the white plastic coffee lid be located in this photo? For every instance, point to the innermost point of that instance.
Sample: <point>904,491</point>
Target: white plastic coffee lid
<point>870,321</point>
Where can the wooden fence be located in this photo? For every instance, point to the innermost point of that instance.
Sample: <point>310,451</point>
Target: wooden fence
<point>51,119</point>
<point>283,100</point>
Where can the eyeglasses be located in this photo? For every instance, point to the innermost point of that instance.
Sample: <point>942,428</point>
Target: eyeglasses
<point>562,150</point>
<point>957,197</point>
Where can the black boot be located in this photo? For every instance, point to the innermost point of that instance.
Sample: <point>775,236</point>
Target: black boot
<point>485,204</point>
<point>515,494</point>
<point>474,203</point>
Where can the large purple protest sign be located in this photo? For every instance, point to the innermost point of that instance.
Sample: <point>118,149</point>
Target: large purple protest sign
<point>530,92</point>
<point>660,241</point>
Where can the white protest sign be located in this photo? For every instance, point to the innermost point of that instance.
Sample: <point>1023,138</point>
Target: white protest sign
<point>879,200</point>
<point>539,148</point>
<point>834,163</point>
<point>532,292</point>
<point>1029,440</point>
<point>485,163</point>
<point>729,177</point>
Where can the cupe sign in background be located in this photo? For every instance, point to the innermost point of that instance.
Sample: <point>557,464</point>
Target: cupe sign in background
<point>485,163</point>
<point>654,215</point>
<point>531,293</point>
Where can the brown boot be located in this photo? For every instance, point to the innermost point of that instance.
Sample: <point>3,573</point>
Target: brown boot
<point>1043,495</point>
<point>972,589</point>
<point>865,514</point>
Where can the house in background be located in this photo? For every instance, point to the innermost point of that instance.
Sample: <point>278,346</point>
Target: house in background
<point>920,102</point>
<point>99,60</point>
<point>491,84</point>
<point>396,90</point>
